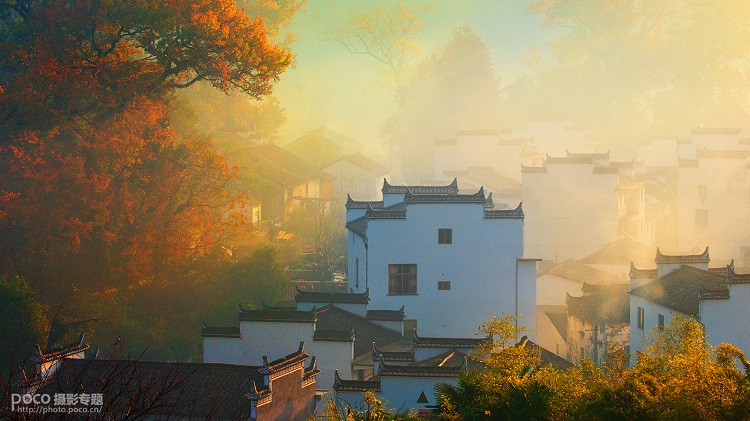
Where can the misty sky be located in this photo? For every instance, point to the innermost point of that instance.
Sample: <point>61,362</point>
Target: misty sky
<point>331,87</point>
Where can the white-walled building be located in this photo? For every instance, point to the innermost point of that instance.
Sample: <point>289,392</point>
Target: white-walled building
<point>714,203</point>
<point>406,380</point>
<point>567,278</point>
<point>497,150</point>
<point>429,248</point>
<point>685,285</point>
<point>335,327</point>
<point>577,204</point>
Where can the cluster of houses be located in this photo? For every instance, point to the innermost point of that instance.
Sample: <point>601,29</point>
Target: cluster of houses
<point>514,223</point>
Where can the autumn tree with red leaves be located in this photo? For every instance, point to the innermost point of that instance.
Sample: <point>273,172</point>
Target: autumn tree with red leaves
<point>98,189</point>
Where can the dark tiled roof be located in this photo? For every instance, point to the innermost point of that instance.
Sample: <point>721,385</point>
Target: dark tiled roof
<point>710,130</point>
<point>311,370</point>
<point>681,289</point>
<point>516,213</point>
<point>164,389</point>
<point>341,385</point>
<point>465,343</point>
<point>276,164</point>
<point>62,352</point>
<point>576,158</point>
<point>287,360</point>
<point>622,252</point>
<point>332,297</point>
<point>547,357</point>
<point>477,197</point>
<point>736,278</point>
<point>610,304</point>
<point>287,316</point>
<point>392,356</point>
<point>430,370</point>
<point>358,226</point>
<point>451,188</point>
<point>395,315</point>
<point>560,322</point>
<point>220,331</point>
<point>642,273</point>
<point>363,162</point>
<point>679,259</point>
<point>362,204</point>
<point>323,145</point>
<point>701,154</point>
<point>333,335</point>
<point>576,271</point>
<point>528,170</point>
<point>450,359</point>
<point>365,332</point>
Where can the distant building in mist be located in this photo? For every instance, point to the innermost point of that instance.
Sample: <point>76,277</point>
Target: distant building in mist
<point>430,249</point>
<point>686,285</point>
<point>705,180</point>
<point>322,146</point>
<point>578,203</point>
<point>355,175</point>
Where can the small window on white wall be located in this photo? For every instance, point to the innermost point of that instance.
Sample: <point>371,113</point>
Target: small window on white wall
<point>444,285</point>
<point>445,236</point>
<point>641,317</point>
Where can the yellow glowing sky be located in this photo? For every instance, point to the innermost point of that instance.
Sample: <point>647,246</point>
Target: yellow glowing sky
<point>331,87</point>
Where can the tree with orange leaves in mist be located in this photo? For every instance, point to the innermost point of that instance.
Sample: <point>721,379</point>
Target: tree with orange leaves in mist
<point>98,189</point>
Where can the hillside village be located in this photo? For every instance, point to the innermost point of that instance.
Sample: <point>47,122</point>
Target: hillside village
<point>589,252</point>
<point>379,210</point>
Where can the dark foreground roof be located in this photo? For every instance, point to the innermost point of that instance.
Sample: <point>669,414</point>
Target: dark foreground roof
<point>680,259</point>
<point>148,388</point>
<point>682,289</point>
<point>465,343</point>
<point>332,318</point>
<point>341,385</point>
<point>332,297</point>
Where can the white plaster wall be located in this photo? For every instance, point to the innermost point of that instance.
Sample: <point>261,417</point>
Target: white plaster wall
<point>727,202</point>
<point>570,211</point>
<point>403,392</point>
<point>358,309</point>
<point>554,137</point>
<point>480,264</point>
<point>331,356</point>
<point>257,339</point>
<point>394,325</point>
<point>651,320</point>
<point>547,335</point>
<point>479,150</point>
<point>356,252</point>
<point>551,289</point>
<point>727,320</point>
<point>276,340</point>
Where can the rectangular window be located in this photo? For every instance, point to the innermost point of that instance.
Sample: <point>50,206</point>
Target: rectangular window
<point>661,321</point>
<point>701,217</point>
<point>702,191</point>
<point>356,272</point>
<point>444,285</point>
<point>445,236</point>
<point>641,317</point>
<point>402,279</point>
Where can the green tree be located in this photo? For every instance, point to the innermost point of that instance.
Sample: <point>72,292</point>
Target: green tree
<point>23,324</point>
<point>632,69</point>
<point>386,34</point>
<point>456,88</point>
<point>259,279</point>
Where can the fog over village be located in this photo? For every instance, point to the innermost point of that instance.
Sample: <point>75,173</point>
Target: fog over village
<point>375,210</point>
